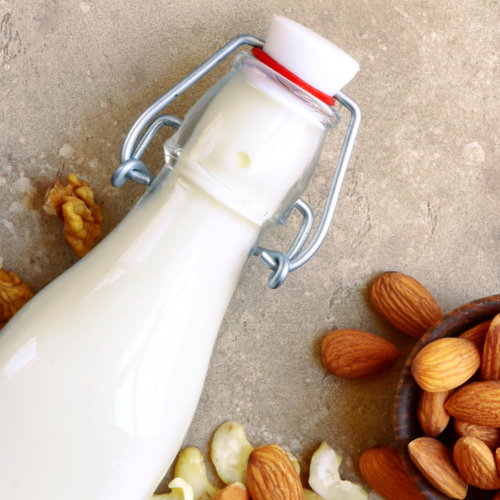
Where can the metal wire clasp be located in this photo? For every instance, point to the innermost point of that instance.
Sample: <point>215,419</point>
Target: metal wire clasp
<point>280,263</point>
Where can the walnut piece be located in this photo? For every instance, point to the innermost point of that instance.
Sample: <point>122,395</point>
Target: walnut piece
<point>14,293</point>
<point>74,204</point>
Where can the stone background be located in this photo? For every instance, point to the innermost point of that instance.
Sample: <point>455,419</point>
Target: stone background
<point>421,194</point>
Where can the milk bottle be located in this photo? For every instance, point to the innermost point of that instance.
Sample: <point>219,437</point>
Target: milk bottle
<point>100,374</point>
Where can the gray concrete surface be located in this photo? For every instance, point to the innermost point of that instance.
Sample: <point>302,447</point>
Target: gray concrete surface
<point>421,195</point>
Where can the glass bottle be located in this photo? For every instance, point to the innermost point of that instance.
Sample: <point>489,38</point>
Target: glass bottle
<point>100,374</point>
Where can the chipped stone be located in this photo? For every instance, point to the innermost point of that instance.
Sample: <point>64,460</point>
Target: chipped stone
<point>66,151</point>
<point>473,154</point>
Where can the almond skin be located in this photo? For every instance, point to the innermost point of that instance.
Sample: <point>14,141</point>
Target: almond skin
<point>488,435</point>
<point>235,491</point>
<point>477,333</point>
<point>272,476</point>
<point>405,303</point>
<point>355,354</point>
<point>445,364</point>
<point>490,367</point>
<point>497,459</point>
<point>476,463</point>
<point>383,470</point>
<point>435,462</point>
<point>477,403</point>
<point>432,416</point>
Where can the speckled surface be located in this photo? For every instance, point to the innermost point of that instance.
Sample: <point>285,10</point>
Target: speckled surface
<point>421,195</point>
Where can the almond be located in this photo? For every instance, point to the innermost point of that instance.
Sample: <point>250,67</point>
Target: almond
<point>432,416</point>
<point>477,333</point>
<point>383,470</point>
<point>445,364</point>
<point>477,403</point>
<point>497,459</point>
<point>355,354</point>
<point>405,303</point>
<point>488,435</point>
<point>235,491</point>
<point>435,462</point>
<point>490,367</point>
<point>476,463</point>
<point>272,476</point>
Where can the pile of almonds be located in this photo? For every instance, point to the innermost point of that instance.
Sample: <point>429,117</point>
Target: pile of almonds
<point>459,378</point>
<point>447,372</point>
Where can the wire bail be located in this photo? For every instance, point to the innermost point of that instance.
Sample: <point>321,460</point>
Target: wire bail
<point>280,263</point>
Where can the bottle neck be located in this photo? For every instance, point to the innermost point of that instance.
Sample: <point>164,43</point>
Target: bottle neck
<point>275,79</point>
<point>253,144</point>
<point>262,56</point>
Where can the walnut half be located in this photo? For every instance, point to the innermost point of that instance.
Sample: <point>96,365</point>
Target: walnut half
<point>14,293</point>
<point>74,204</point>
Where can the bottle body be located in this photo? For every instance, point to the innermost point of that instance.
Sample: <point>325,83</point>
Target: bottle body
<point>100,374</point>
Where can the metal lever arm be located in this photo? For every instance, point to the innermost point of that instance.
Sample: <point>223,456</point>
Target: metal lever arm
<point>280,263</point>
<point>134,169</point>
<point>133,135</point>
<point>181,87</point>
<point>338,179</point>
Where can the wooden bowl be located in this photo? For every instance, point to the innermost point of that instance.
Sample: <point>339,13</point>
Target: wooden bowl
<point>406,424</point>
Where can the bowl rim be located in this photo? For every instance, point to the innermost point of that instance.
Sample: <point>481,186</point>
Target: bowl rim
<point>406,399</point>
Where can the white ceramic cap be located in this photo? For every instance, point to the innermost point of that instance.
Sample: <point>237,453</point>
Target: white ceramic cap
<point>309,56</point>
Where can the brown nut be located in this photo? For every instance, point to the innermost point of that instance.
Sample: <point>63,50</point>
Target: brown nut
<point>355,354</point>
<point>14,294</point>
<point>477,403</point>
<point>490,365</point>
<point>235,491</point>
<point>497,460</point>
<point>272,476</point>
<point>476,463</point>
<point>74,204</point>
<point>477,333</point>
<point>445,364</point>
<point>435,462</point>
<point>405,303</point>
<point>383,470</point>
<point>488,435</point>
<point>432,416</point>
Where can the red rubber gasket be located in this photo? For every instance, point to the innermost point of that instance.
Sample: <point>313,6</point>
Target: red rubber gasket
<point>259,54</point>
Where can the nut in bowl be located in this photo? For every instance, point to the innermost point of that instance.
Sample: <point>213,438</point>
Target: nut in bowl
<point>407,426</point>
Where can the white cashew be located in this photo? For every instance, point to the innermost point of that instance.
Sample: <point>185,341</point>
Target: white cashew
<point>191,467</point>
<point>180,491</point>
<point>230,452</point>
<point>325,480</point>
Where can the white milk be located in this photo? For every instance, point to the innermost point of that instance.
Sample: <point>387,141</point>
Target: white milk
<point>259,140</point>
<point>101,372</point>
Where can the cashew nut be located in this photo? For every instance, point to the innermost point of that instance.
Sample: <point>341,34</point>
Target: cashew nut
<point>325,480</point>
<point>230,452</point>
<point>191,467</point>
<point>180,491</point>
